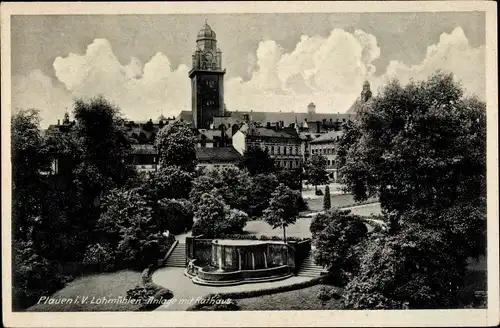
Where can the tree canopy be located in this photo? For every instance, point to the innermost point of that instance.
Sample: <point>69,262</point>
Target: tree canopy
<point>283,208</point>
<point>421,145</point>
<point>257,161</point>
<point>422,149</point>
<point>315,169</point>
<point>176,145</point>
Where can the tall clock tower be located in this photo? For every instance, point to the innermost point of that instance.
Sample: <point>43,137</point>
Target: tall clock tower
<point>207,79</point>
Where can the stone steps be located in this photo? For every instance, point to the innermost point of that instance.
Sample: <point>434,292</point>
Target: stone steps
<point>178,256</point>
<point>309,269</point>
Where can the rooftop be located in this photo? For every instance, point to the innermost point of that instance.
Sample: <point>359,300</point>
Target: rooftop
<point>217,154</point>
<point>328,137</point>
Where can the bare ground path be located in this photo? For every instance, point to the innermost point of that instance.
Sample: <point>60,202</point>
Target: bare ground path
<point>186,292</point>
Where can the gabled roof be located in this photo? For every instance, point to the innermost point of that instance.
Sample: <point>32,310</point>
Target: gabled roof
<point>270,133</point>
<point>217,155</point>
<point>328,137</point>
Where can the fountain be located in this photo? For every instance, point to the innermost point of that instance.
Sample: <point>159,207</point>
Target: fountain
<point>229,262</point>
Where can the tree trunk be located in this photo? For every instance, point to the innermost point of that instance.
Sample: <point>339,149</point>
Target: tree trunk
<point>315,189</point>
<point>284,234</point>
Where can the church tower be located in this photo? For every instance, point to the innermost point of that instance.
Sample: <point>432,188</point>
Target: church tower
<point>366,93</point>
<point>207,79</point>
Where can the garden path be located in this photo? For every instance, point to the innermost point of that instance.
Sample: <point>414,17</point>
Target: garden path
<point>184,289</point>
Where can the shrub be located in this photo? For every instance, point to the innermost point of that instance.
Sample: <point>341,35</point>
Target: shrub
<point>147,293</point>
<point>324,294</point>
<point>327,202</point>
<point>99,258</point>
<point>34,276</point>
<point>319,192</point>
<point>213,218</point>
<point>176,215</point>
<point>235,221</point>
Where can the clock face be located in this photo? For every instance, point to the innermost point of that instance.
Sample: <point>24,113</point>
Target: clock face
<point>208,56</point>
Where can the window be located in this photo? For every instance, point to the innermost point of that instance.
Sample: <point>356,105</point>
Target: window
<point>272,150</point>
<point>278,150</point>
<point>284,150</point>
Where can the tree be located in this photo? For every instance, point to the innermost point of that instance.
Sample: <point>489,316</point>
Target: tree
<point>262,187</point>
<point>168,182</point>
<point>283,209</point>
<point>213,218</point>
<point>316,170</point>
<point>410,269</point>
<point>133,233</point>
<point>28,161</point>
<point>176,145</point>
<point>233,184</point>
<point>291,178</point>
<point>336,236</point>
<point>422,146</point>
<point>257,161</point>
<point>350,135</point>
<point>101,133</point>
<point>327,202</point>
<point>175,215</point>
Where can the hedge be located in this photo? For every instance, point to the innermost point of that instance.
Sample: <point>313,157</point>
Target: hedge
<point>262,237</point>
<point>254,293</point>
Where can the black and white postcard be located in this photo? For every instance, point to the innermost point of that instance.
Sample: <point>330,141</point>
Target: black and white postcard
<point>227,164</point>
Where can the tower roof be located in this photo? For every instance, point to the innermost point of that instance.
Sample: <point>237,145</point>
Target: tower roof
<point>206,32</point>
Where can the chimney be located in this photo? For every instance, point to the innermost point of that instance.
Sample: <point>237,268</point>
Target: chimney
<point>268,125</point>
<point>58,122</point>
<point>277,126</point>
<point>317,127</point>
<point>282,124</point>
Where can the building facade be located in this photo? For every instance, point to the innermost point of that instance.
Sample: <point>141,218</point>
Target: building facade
<point>283,145</point>
<point>327,145</point>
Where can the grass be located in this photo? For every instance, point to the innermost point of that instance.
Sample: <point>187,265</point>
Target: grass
<point>97,286</point>
<point>300,299</point>
<point>342,200</point>
<point>259,227</point>
<point>301,226</point>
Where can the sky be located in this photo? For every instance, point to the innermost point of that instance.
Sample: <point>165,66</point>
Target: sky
<point>273,61</point>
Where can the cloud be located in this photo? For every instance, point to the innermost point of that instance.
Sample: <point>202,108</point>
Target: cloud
<point>326,70</point>
<point>140,91</point>
<point>451,54</point>
<point>329,71</point>
<point>36,90</point>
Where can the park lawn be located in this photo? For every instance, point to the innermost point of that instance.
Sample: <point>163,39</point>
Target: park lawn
<point>339,201</point>
<point>259,227</point>
<point>301,227</point>
<point>300,299</point>
<point>98,286</point>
